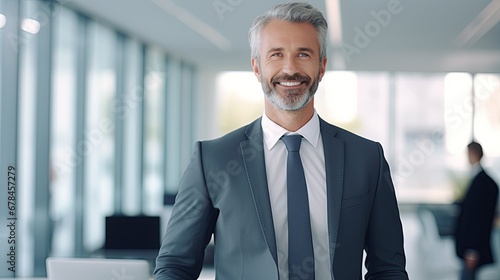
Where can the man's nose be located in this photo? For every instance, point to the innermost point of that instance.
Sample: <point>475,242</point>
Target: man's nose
<point>290,66</point>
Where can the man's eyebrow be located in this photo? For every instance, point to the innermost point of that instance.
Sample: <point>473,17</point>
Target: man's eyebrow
<point>275,50</point>
<point>301,49</point>
<point>304,49</point>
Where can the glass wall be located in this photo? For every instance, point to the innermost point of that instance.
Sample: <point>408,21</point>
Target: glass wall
<point>93,95</point>
<point>248,99</point>
<point>188,110</point>
<point>98,146</point>
<point>458,120</point>
<point>173,169</point>
<point>418,167</point>
<point>131,114</point>
<point>154,130</point>
<point>64,156</point>
<point>27,47</point>
<point>487,120</point>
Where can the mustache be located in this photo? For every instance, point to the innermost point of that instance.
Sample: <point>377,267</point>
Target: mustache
<point>294,77</point>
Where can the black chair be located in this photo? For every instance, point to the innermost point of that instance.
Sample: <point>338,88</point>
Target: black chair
<point>131,237</point>
<point>132,233</point>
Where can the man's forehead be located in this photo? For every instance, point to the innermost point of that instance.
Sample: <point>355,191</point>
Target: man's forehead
<point>277,34</point>
<point>288,24</point>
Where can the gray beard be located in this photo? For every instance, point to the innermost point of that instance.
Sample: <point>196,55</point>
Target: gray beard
<point>290,102</point>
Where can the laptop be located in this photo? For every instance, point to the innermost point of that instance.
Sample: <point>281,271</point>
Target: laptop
<point>97,269</point>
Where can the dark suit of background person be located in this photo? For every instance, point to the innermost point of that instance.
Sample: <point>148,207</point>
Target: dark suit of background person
<point>225,190</point>
<point>475,220</point>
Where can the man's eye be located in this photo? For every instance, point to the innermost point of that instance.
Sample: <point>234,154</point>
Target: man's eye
<point>276,55</point>
<point>303,55</point>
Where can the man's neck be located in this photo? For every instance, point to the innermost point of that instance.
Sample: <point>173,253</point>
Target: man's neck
<point>290,120</point>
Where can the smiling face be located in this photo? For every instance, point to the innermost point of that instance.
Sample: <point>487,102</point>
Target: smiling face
<point>289,68</point>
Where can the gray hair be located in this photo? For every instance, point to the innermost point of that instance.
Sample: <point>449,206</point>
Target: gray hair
<point>291,12</point>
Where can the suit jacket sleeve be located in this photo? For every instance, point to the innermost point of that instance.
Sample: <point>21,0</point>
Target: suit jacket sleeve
<point>190,227</point>
<point>384,239</point>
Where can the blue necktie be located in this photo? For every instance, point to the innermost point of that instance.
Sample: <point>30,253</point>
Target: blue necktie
<point>300,248</point>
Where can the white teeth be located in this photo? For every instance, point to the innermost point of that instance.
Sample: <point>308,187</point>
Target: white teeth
<point>289,84</point>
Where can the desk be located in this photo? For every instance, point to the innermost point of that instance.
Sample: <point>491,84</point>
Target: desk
<point>206,274</point>
<point>21,278</point>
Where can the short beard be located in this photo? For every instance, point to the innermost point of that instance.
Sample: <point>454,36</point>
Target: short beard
<point>292,101</point>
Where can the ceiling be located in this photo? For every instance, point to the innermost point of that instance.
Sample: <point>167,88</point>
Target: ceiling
<point>376,35</point>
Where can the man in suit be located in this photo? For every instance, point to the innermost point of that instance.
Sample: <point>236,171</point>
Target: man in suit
<point>240,189</point>
<point>475,220</point>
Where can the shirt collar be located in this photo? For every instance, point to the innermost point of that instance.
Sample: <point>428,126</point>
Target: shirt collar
<point>273,132</point>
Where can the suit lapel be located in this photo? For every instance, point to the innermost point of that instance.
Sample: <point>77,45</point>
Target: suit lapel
<point>334,165</point>
<point>252,151</point>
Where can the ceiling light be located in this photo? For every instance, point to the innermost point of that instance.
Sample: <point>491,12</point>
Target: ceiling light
<point>480,25</point>
<point>197,25</point>
<point>3,20</point>
<point>30,25</point>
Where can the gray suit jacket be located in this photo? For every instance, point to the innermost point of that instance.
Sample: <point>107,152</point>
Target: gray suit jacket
<point>224,191</point>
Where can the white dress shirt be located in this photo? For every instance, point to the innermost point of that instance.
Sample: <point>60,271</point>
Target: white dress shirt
<point>313,161</point>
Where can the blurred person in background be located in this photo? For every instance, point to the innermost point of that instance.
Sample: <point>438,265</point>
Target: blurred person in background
<point>476,216</point>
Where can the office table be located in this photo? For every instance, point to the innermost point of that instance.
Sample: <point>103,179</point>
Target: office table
<point>206,274</point>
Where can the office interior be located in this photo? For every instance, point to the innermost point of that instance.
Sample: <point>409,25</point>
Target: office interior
<point>102,101</point>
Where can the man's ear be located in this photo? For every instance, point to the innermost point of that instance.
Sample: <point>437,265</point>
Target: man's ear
<point>323,68</point>
<point>255,67</point>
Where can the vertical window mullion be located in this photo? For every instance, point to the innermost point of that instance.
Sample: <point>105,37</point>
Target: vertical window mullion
<point>119,136</point>
<point>81,107</point>
<point>142,127</point>
<point>42,221</point>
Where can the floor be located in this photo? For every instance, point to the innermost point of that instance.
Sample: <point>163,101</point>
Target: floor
<point>426,259</point>
<point>437,261</point>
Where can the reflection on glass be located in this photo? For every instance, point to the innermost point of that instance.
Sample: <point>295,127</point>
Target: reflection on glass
<point>98,147</point>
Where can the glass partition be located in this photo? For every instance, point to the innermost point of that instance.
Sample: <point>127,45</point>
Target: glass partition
<point>65,158</point>
<point>98,147</point>
<point>155,89</point>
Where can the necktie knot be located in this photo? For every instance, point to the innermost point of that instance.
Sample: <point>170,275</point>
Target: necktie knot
<point>292,142</point>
